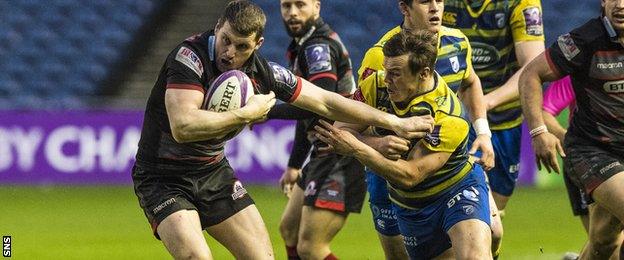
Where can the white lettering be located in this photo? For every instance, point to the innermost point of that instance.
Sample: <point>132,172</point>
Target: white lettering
<point>6,156</point>
<point>268,148</point>
<point>54,149</point>
<point>26,145</point>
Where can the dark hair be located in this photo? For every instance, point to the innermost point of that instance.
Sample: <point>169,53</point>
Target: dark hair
<point>244,17</point>
<point>407,2</point>
<point>420,45</point>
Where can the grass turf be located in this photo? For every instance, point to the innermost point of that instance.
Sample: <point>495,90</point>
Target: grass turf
<point>60,222</point>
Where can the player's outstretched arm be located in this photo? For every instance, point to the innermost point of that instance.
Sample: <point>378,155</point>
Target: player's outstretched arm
<point>545,144</point>
<point>407,173</point>
<point>471,94</point>
<point>390,146</point>
<point>190,123</point>
<point>525,52</point>
<point>338,108</point>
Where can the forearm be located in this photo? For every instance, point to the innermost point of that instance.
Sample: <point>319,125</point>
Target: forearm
<point>474,100</point>
<point>553,125</point>
<point>398,172</point>
<point>531,98</point>
<point>506,93</point>
<point>199,125</point>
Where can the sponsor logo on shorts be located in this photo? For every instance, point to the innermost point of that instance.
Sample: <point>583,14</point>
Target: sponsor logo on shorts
<point>533,21</point>
<point>567,46</point>
<point>381,224</point>
<point>163,205</point>
<point>310,189</point>
<point>238,191</point>
<point>470,194</point>
<point>410,241</point>
<point>609,167</point>
<point>514,168</point>
<point>468,209</point>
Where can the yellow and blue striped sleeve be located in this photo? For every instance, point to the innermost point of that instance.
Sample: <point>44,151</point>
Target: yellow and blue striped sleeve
<point>449,132</point>
<point>527,22</point>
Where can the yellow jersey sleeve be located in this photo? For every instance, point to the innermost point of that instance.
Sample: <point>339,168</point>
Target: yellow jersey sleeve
<point>526,21</point>
<point>449,132</point>
<point>368,88</point>
<point>468,59</point>
<point>373,58</point>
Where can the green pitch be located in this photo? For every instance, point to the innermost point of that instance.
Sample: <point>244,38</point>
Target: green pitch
<point>106,223</point>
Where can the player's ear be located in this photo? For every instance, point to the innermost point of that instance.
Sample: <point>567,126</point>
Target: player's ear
<point>403,8</point>
<point>425,72</point>
<point>259,43</point>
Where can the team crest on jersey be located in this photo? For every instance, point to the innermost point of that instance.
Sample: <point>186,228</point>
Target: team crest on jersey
<point>187,57</point>
<point>433,138</point>
<point>533,21</point>
<point>500,20</point>
<point>318,57</point>
<point>454,63</point>
<point>238,191</point>
<point>567,46</point>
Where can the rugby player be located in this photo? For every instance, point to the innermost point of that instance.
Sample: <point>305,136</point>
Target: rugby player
<point>331,186</point>
<point>439,197</point>
<point>181,178</point>
<point>455,66</point>
<point>593,148</point>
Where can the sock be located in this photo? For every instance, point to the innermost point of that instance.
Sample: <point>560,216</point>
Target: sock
<point>330,257</point>
<point>291,252</point>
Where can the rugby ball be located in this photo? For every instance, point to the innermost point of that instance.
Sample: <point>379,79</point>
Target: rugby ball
<point>229,91</point>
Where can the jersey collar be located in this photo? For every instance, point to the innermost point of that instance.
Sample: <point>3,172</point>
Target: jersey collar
<point>211,47</point>
<point>612,33</point>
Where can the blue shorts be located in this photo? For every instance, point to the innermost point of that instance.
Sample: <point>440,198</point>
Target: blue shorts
<point>384,218</point>
<point>425,230</point>
<point>502,178</point>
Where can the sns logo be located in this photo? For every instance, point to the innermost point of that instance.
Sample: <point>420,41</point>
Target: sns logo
<point>614,87</point>
<point>6,246</point>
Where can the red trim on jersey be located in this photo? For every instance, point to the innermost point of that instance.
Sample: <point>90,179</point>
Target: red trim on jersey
<point>367,72</point>
<point>187,86</point>
<point>295,95</point>
<point>323,75</point>
<point>608,53</point>
<point>551,64</point>
<point>325,204</point>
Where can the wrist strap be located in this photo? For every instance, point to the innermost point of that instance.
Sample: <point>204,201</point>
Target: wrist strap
<point>482,127</point>
<point>538,131</point>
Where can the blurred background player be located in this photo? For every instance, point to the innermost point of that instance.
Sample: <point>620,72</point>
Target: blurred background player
<point>334,185</point>
<point>181,177</point>
<point>592,55</point>
<point>505,35</point>
<point>439,198</point>
<point>455,66</point>
<point>607,229</point>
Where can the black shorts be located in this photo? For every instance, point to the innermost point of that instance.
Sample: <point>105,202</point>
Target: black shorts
<point>334,182</point>
<point>577,197</point>
<point>589,165</point>
<point>215,193</point>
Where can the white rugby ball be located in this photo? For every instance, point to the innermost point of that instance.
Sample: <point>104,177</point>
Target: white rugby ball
<point>230,91</point>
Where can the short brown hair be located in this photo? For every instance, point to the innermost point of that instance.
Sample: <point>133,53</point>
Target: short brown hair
<point>244,17</point>
<point>420,45</point>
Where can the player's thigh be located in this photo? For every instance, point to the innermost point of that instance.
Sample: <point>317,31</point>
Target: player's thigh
<point>244,234</point>
<point>471,239</point>
<point>610,195</point>
<point>320,225</point>
<point>181,233</point>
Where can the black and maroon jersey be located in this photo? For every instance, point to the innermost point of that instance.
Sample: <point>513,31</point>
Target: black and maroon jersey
<point>320,57</point>
<point>191,65</point>
<point>594,59</point>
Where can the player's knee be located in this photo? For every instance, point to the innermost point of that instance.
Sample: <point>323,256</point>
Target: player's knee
<point>306,249</point>
<point>497,232</point>
<point>194,254</point>
<point>288,231</point>
<point>475,253</point>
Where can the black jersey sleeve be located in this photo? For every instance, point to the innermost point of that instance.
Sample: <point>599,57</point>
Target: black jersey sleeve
<point>569,53</point>
<point>284,83</point>
<point>301,146</point>
<point>289,112</point>
<point>318,63</point>
<point>185,69</point>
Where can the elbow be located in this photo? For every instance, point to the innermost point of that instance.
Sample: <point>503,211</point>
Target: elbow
<point>409,180</point>
<point>180,133</point>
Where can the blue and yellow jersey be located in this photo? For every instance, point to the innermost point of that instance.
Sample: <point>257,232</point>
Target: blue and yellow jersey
<point>493,30</point>
<point>450,135</point>
<point>453,61</point>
